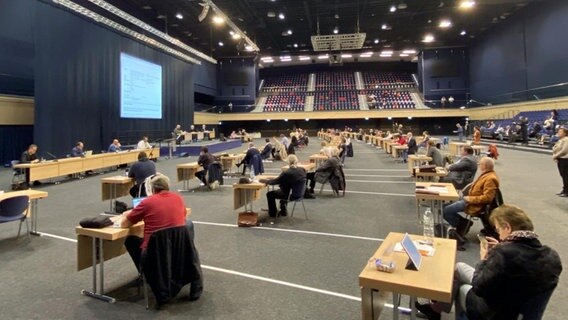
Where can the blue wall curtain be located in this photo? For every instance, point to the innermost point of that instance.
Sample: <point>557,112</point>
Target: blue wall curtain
<point>77,84</point>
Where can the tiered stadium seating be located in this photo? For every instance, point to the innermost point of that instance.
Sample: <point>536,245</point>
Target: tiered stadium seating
<point>387,80</point>
<point>287,101</point>
<point>341,80</point>
<point>390,99</point>
<point>336,100</point>
<point>288,82</point>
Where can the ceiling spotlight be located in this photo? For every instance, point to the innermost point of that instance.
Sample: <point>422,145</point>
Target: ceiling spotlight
<point>409,118</point>
<point>335,30</point>
<point>467,4</point>
<point>285,120</point>
<point>271,14</point>
<point>384,27</point>
<point>179,16</point>
<point>267,120</point>
<point>221,44</point>
<point>307,119</point>
<point>463,33</point>
<point>366,118</point>
<point>428,38</point>
<point>390,118</point>
<point>410,51</point>
<point>236,36</point>
<point>346,55</point>
<point>404,54</point>
<point>445,24</point>
<point>248,48</point>
<point>392,9</point>
<point>218,20</point>
<point>402,6</point>
<point>376,41</point>
<point>295,45</point>
<point>336,16</point>
<point>289,31</point>
<point>281,16</point>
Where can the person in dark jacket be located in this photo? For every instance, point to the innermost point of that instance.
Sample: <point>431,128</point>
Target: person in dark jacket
<point>512,272</point>
<point>204,160</point>
<point>463,171</point>
<point>140,171</point>
<point>327,169</point>
<point>285,181</point>
<point>267,150</point>
<point>30,156</point>
<point>251,152</point>
<point>435,153</point>
<point>412,146</point>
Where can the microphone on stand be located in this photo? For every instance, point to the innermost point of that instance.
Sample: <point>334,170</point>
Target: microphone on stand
<point>52,155</point>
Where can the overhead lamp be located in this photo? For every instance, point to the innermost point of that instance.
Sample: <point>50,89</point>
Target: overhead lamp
<point>307,119</point>
<point>404,55</point>
<point>335,30</point>
<point>392,9</point>
<point>390,118</point>
<point>285,120</point>
<point>346,55</point>
<point>179,16</point>
<point>248,48</point>
<point>281,16</point>
<point>409,118</point>
<point>428,38</point>
<point>376,41</point>
<point>289,31</point>
<point>445,24</point>
<point>366,118</point>
<point>387,52</point>
<point>271,14</point>
<point>325,56</point>
<point>410,51</point>
<point>221,44</point>
<point>463,33</point>
<point>304,58</point>
<point>267,120</point>
<point>285,57</point>
<point>220,123</point>
<point>384,27</point>
<point>467,4</point>
<point>218,20</point>
<point>236,36</point>
<point>295,45</point>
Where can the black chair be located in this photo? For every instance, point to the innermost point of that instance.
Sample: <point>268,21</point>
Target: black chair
<point>171,262</point>
<point>297,195</point>
<point>18,175</point>
<point>534,308</point>
<point>15,209</point>
<point>484,214</point>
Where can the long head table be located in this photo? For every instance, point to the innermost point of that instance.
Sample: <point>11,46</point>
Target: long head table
<point>61,167</point>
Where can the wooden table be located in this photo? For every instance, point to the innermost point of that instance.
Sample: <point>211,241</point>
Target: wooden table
<point>115,187</point>
<point>100,245</point>
<point>397,150</point>
<point>429,176</point>
<point>435,201</point>
<point>415,160</point>
<point>455,147</point>
<point>34,196</point>
<point>244,194</point>
<point>186,172</point>
<point>307,166</point>
<point>477,149</point>
<point>230,161</point>
<point>433,280</point>
<point>189,136</point>
<point>317,159</point>
<point>66,166</point>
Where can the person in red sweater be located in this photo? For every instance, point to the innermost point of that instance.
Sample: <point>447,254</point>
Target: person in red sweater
<point>402,140</point>
<point>161,209</point>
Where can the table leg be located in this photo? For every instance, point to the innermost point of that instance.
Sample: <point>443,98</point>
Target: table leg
<point>98,243</point>
<point>34,212</point>
<point>412,308</point>
<point>395,305</point>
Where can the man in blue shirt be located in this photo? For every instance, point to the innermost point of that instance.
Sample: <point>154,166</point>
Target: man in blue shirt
<point>140,171</point>
<point>114,146</point>
<point>77,151</point>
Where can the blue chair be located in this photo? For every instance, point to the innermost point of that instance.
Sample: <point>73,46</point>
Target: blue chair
<point>14,209</point>
<point>297,195</point>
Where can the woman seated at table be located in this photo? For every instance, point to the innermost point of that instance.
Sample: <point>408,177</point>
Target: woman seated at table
<point>516,275</point>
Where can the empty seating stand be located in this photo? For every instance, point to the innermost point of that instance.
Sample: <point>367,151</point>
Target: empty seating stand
<point>287,101</point>
<point>288,82</point>
<point>389,99</point>
<point>336,100</point>
<point>387,80</point>
<point>341,80</point>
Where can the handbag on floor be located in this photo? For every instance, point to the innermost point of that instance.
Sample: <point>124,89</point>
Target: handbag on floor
<point>248,219</point>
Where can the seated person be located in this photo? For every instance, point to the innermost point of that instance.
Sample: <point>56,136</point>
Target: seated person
<point>140,171</point>
<point>435,153</point>
<point>481,193</point>
<point>462,172</point>
<point>285,181</point>
<point>77,151</point>
<point>233,135</point>
<point>179,134</point>
<point>29,156</point>
<point>476,135</point>
<point>412,146</point>
<point>247,160</point>
<point>143,144</point>
<point>115,146</point>
<point>205,159</point>
<point>162,209</point>
<point>326,170</point>
<point>267,150</point>
<point>512,272</point>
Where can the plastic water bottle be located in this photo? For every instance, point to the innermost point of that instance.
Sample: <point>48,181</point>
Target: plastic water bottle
<point>428,223</point>
<point>252,174</point>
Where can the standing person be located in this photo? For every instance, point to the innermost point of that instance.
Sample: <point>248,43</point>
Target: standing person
<point>30,156</point>
<point>524,124</point>
<point>513,271</point>
<point>115,146</point>
<point>247,160</point>
<point>143,144</point>
<point>459,131</point>
<point>476,135</point>
<point>140,171</point>
<point>162,209</point>
<point>560,155</point>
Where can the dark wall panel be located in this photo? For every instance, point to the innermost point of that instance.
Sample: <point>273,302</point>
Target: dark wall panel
<point>236,80</point>
<point>78,84</point>
<point>15,140</point>
<point>206,78</point>
<point>444,72</point>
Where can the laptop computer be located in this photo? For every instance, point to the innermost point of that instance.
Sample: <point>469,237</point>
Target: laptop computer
<point>88,153</point>
<point>136,201</point>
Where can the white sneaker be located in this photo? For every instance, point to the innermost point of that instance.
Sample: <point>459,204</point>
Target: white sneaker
<point>214,185</point>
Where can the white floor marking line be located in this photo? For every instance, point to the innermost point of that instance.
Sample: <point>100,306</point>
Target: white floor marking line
<point>284,283</point>
<point>374,181</point>
<point>376,193</point>
<point>376,176</point>
<point>338,235</point>
<point>43,234</point>
<point>393,170</point>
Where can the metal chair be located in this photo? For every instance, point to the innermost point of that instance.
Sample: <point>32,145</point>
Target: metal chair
<point>297,195</point>
<point>14,209</point>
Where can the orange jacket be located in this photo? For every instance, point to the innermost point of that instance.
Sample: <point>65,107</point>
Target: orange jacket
<point>482,192</point>
<point>476,137</point>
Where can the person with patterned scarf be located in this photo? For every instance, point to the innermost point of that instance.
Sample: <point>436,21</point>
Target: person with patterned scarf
<point>513,271</point>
